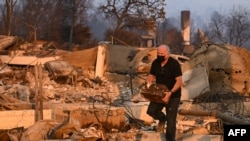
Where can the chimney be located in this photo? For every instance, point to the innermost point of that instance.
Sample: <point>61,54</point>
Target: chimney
<point>185,26</point>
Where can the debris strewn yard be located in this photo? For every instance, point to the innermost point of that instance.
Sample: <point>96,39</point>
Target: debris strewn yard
<point>94,94</point>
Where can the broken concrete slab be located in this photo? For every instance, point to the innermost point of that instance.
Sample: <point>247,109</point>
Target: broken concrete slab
<point>20,118</point>
<point>195,82</point>
<point>26,60</point>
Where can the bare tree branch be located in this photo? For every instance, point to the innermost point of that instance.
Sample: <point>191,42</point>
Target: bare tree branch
<point>232,28</point>
<point>133,13</point>
<point>10,4</point>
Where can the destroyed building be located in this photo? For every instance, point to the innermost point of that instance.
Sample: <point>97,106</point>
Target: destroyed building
<point>48,93</point>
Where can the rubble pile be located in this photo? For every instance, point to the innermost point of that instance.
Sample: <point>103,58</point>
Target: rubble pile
<point>62,83</point>
<point>87,106</point>
<point>227,78</point>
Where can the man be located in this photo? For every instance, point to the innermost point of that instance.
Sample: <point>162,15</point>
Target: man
<point>166,70</point>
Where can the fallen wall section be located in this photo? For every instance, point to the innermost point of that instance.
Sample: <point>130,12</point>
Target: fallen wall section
<point>25,118</point>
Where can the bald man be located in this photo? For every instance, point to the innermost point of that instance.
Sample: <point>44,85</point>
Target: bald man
<point>166,70</point>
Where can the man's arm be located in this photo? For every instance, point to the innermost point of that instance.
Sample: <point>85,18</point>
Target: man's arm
<point>177,86</point>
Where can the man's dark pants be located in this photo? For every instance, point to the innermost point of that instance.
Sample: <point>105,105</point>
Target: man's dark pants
<point>155,111</point>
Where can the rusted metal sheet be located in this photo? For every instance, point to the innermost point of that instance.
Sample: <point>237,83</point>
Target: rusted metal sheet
<point>61,70</point>
<point>112,118</point>
<point>84,119</point>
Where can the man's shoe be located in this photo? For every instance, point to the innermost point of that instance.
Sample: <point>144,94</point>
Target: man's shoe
<point>161,127</point>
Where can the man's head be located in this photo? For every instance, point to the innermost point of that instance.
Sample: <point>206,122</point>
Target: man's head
<point>163,53</point>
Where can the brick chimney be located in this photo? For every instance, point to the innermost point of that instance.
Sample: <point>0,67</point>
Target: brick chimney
<point>185,26</point>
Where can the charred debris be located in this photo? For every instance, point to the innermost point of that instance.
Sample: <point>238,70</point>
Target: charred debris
<point>93,94</point>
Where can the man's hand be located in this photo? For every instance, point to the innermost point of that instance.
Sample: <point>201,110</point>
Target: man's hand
<point>167,97</point>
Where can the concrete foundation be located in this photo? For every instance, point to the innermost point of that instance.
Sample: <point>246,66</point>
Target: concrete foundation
<point>21,118</point>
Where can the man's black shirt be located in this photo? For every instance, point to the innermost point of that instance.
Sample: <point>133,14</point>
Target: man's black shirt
<point>167,74</point>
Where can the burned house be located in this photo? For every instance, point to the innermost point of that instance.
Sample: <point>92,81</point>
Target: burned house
<point>91,94</point>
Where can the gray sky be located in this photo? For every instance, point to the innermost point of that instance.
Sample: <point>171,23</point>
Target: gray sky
<point>202,7</point>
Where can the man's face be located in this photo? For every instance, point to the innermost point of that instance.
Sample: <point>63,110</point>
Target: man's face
<point>162,52</point>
